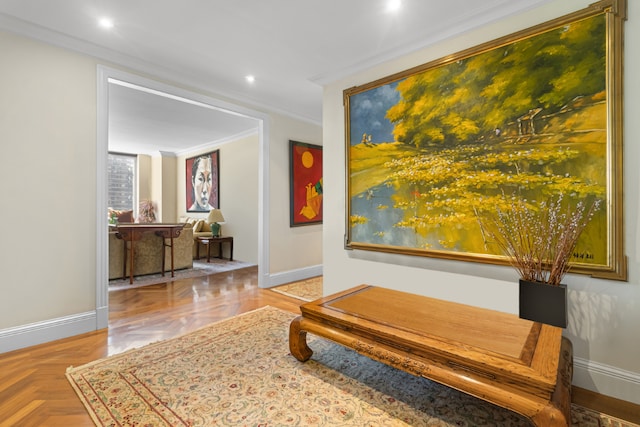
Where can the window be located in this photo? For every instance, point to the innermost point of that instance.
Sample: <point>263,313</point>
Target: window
<point>121,169</point>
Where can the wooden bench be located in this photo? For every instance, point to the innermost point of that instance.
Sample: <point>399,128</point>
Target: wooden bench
<point>517,364</point>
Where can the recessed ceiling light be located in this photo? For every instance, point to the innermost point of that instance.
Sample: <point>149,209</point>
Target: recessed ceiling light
<point>250,78</point>
<point>394,5</point>
<point>106,23</point>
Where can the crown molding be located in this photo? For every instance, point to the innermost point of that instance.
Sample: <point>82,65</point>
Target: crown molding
<point>26,29</point>
<point>464,24</point>
<point>217,143</point>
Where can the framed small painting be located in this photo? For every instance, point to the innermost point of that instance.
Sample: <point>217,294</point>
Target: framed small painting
<point>433,150</point>
<point>305,192</point>
<point>203,182</point>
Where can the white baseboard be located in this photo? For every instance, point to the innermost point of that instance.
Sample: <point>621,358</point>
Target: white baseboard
<point>48,330</point>
<point>293,275</point>
<point>606,380</point>
<point>594,376</point>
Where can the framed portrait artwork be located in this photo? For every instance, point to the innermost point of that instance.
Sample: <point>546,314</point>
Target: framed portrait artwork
<point>305,181</point>
<point>534,115</point>
<point>203,182</point>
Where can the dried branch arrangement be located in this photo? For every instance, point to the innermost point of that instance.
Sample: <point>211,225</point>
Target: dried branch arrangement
<point>539,240</point>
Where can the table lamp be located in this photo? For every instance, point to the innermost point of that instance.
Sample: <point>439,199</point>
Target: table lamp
<point>215,216</point>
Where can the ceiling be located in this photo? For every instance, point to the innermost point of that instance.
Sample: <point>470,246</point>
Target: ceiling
<point>292,47</point>
<point>146,122</point>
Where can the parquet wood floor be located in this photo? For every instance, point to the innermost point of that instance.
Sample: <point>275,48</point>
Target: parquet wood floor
<point>34,390</point>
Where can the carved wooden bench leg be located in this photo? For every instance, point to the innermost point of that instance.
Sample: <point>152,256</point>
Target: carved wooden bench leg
<point>298,341</point>
<point>558,411</point>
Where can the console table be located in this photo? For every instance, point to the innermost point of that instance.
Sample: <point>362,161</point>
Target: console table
<point>219,240</point>
<point>132,232</point>
<point>517,364</point>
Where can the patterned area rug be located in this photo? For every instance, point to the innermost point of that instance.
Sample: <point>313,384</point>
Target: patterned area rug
<point>238,372</point>
<point>200,268</point>
<point>306,290</point>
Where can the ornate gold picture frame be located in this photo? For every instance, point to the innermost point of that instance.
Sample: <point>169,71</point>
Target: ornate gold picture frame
<point>528,116</point>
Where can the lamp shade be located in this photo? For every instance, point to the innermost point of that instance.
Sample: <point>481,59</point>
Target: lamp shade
<point>215,215</point>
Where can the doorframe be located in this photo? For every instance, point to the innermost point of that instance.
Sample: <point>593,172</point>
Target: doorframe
<point>104,76</point>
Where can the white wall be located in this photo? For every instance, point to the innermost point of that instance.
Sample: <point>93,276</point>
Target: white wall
<point>604,315</point>
<point>238,193</point>
<point>294,252</point>
<point>169,187</point>
<point>239,184</point>
<point>307,239</point>
<point>144,177</point>
<point>157,186</point>
<point>47,182</point>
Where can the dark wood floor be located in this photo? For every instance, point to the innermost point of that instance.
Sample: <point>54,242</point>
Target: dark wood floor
<point>35,392</point>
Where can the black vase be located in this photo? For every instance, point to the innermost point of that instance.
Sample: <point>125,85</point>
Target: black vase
<point>544,303</point>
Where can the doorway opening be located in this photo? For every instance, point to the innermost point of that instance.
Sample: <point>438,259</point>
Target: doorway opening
<point>107,77</point>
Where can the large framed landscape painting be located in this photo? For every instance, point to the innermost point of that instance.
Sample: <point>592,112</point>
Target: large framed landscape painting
<point>203,182</point>
<point>305,184</point>
<point>434,150</point>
